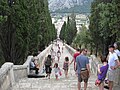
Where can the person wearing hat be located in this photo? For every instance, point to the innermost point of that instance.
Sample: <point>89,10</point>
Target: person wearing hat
<point>113,63</point>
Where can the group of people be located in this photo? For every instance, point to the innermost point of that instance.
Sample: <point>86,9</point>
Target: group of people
<point>53,54</point>
<point>82,69</point>
<point>49,61</point>
<point>107,70</point>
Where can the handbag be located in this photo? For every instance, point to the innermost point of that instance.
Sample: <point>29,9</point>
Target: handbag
<point>60,73</point>
<point>97,82</point>
<point>84,74</point>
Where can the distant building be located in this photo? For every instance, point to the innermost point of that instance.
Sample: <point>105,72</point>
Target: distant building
<point>58,21</point>
<point>81,20</point>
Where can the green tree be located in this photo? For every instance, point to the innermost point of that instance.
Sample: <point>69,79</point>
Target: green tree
<point>25,27</point>
<point>62,33</point>
<point>69,30</point>
<point>83,38</point>
<point>104,28</point>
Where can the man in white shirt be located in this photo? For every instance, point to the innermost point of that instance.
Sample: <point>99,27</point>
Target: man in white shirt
<point>113,64</point>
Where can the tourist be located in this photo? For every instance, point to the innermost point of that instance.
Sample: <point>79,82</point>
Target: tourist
<point>57,71</point>
<point>77,53</point>
<point>34,64</point>
<point>83,68</point>
<point>102,71</point>
<point>48,66</point>
<point>113,63</point>
<point>66,66</point>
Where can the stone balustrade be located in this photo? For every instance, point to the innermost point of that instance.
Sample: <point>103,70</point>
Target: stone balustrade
<point>10,74</point>
<point>6,76</point>
<point>94,64</point>
<point>44,54</point>
<point>70,49</point>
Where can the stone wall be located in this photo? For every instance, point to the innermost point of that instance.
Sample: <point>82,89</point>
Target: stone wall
<point>70,49</point>
<point>94,64</point>
<point>10,74</point>
<point>20,71</point>
<point>6,76</point>
<point>44,54</point>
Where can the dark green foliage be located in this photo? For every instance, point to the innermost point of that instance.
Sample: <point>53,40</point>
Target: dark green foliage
<point>104,28</point>
<point>25,27</point>
<point>69,30</point>
<point>62,33</point>
<point>104,24</point>
<point>83,39</point>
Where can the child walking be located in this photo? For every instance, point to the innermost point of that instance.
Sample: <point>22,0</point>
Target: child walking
<point>57,71</point>
<point>66,66</point>
<point>102,71</point>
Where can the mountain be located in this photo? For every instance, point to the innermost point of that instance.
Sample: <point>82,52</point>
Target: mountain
<point>69,5</point>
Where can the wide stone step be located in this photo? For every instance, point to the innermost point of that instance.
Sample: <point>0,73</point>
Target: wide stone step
<point>52,84</point>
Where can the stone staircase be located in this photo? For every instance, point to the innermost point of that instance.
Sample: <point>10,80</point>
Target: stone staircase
<point>63,83</point>
<point>16,78</point>
<point>51,84</point>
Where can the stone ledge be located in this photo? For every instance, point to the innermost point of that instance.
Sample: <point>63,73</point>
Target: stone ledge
<point>19,67</point>
<point>5,68</point>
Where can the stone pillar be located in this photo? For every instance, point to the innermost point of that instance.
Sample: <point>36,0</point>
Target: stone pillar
<point>12,75</point>
<point>6,76</point>
<point>10,69</point>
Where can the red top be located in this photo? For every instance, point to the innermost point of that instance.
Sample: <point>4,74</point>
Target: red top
<point>76,54</point>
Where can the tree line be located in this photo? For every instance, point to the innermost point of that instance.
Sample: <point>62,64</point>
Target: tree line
<point>69,30</point>
<point>25,27</point>
<point>104,28</point>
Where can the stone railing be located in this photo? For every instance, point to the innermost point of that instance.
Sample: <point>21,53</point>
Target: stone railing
<point>10,74</point>
<point>70,49</point>
<point>6,76</point>
<point>20,71</point>
<point>44,54</point>
<point>94,64</point>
